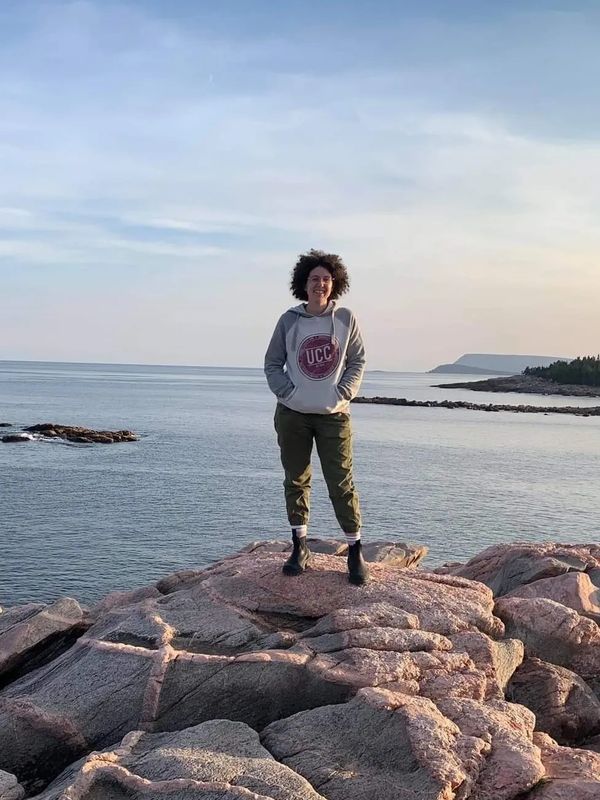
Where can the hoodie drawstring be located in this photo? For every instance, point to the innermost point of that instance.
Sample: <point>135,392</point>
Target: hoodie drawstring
<point>300,311</point>
<point>333,328</point>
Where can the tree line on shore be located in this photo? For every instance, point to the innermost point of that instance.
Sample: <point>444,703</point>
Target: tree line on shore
<point>584,370</point>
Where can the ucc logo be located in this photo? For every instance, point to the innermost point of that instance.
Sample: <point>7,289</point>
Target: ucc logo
<point>318,356</point>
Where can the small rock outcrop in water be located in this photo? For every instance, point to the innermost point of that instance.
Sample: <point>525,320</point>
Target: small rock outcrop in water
<point>239,682</point>
<point>17,437</point>
<point>82,435</point>
<point>581,411</point>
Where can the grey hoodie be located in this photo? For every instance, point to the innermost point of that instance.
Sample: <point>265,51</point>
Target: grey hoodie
<point>314,364</point>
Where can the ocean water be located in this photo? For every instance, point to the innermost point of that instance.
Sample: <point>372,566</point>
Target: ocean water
<point>205,479</point>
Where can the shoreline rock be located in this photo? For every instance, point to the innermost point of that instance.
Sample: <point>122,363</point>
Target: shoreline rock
<point>218,759</point>
<point>236,681</point>
<point>566,708</point>
<point>18,437</point>
<point>581,411</point>
<point>35,633</point>
<point>70,433</point>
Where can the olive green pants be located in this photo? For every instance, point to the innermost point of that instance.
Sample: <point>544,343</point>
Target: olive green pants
<point>332,434</point>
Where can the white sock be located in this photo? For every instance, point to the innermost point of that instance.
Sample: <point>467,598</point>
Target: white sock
<point>352,538</point>
<point>300,531</point>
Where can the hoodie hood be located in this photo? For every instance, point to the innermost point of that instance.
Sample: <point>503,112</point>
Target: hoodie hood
<point>301,311</point>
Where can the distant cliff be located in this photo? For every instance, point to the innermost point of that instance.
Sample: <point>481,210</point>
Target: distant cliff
<point>467,369</point>
<point>494,364</point>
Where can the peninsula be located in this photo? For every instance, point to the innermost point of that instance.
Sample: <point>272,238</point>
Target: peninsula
<point>579,377</point>
<point>493,364</point>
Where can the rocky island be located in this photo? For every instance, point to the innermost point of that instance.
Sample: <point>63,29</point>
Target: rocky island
<point>473,681</point>
<point>69,433</point>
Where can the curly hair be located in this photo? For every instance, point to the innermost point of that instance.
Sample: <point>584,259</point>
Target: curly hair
<point>319,258</point>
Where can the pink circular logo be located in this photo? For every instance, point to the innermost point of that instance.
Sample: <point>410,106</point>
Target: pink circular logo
<point>318,356</point>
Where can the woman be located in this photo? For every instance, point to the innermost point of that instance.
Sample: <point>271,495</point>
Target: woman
<point>314,365</point>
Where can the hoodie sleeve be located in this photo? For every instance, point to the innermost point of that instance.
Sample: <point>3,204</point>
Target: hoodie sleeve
<point>275,358</point>
<point>355,363</point>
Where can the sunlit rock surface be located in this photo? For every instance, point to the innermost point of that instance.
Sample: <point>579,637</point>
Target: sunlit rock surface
<point>394,689</point>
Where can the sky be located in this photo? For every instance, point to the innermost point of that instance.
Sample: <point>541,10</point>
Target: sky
<point>162,165</point>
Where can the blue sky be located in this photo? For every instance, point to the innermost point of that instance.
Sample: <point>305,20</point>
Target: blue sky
<point>164,163</point>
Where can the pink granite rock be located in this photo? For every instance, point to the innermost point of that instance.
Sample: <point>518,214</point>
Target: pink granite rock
<point>433,674</point>
<point>592,744</point>
<point>254,688</point>
<point>29,634</point>
<point>86,698</point>
<point>330,546</point>
<point>363,615</point>
<point>444,604</point>
<point>385,745</point>
<point>449,568</point>
<point>512,765</point>
<point>378,645</point>
<point>505,567</point>
<point>564,705</point>
<point>181,579</point>
<point>240,641</point>
<point>400,554</point>
<point>573,589</point>
<point>188,618</point>
<point>121,599</point>
<point>99,690</point>
<point>594,575</point>
<point>218,760</point>
<point>552,632</point>
<point>10,788</point>
<point>497,660</point>
<point>380,746</point>
<point>205,650</point>
<point>571,774</point>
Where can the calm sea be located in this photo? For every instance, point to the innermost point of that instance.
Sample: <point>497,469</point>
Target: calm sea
<point>204,480</point>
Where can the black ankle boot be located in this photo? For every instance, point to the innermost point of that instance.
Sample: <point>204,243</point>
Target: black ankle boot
<point>296,563</point>
<point>358,572</point>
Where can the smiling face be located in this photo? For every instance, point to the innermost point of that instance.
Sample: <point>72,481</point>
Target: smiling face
<point>319,286</point>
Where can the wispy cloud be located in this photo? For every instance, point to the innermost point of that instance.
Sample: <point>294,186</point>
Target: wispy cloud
<point>449,158</point>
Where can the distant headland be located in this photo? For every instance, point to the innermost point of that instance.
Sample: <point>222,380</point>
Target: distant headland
<point>494,364</point>
<point>579,377</point>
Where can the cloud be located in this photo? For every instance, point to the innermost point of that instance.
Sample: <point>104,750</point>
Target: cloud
<point>135,148</point>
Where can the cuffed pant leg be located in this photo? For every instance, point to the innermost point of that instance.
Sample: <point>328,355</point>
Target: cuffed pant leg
<point>295,439</point>
<point>333,435</point>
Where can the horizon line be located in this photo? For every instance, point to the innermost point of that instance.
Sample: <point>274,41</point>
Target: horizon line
<point>148,364</point>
